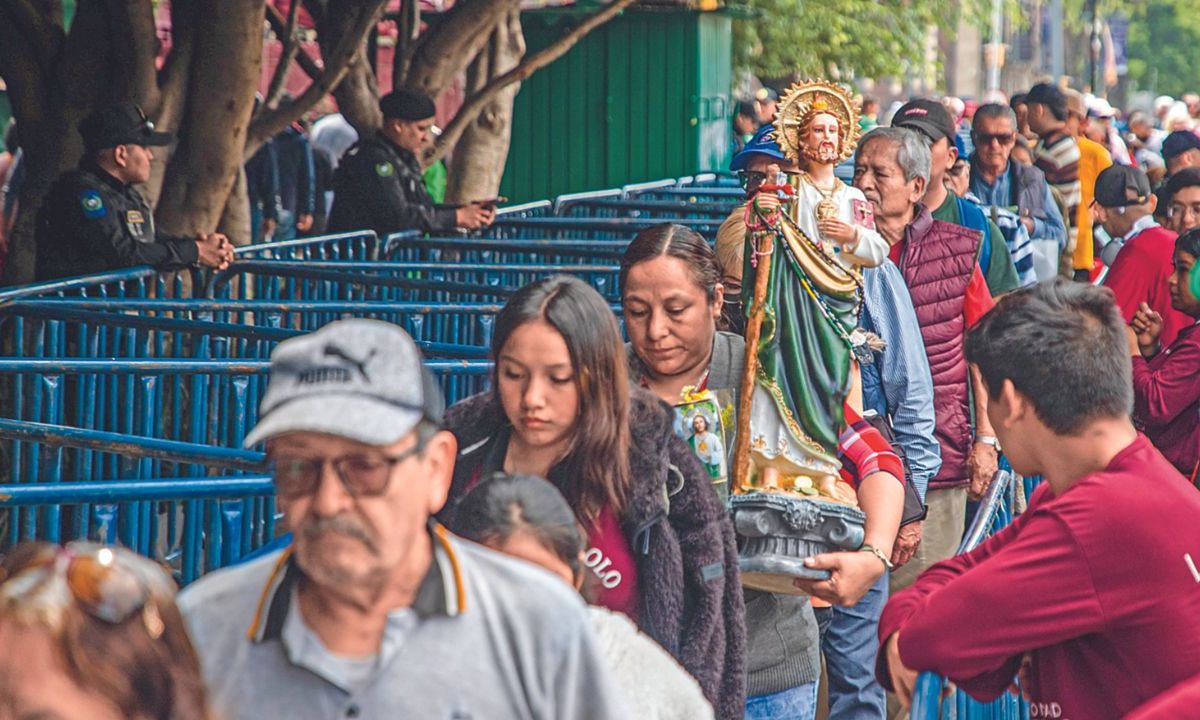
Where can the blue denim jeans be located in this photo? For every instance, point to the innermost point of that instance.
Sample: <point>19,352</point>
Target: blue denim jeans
<point>850,641</point>
<point>798,703</point>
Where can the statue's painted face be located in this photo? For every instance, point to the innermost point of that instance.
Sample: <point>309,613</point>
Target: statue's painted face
<point>821,142</point>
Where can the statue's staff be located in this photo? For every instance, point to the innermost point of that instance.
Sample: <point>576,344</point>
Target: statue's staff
<point>762,226</point>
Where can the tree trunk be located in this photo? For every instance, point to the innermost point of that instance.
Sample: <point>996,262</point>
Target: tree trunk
<point>358,94</point>
<point>479,156</point>
<point>50,96</point>
<point>206,164</point>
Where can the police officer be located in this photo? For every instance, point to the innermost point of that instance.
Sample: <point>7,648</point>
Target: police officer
<point>93,220</point>
<point>378,183</point>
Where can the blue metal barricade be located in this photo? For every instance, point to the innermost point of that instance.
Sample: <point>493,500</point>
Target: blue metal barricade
<point>693,208</point>
<point>557,228</point>
<point>934,698</point>
<point>404,281</point>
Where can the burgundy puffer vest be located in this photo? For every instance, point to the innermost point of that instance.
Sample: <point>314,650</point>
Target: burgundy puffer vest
<point>937,262</point>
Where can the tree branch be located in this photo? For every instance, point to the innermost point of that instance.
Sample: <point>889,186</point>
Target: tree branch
<point>474,104</point>
<point>290,46</point>
<point>408,29</point>
<point>135,46</point>
<point>446,48</point>
<point>271,122</point>
<point>279,26</point>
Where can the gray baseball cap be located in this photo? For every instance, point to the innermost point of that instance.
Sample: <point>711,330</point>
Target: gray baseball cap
<point>359,379</point>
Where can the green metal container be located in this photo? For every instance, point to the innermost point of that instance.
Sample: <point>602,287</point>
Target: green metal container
<point>643,97</point>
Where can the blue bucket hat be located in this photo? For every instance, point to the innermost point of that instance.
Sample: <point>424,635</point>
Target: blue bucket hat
<point>763,143</point>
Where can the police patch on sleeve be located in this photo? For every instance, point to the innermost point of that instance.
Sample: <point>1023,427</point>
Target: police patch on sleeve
<point>384,169</point>
<point>93,204</point>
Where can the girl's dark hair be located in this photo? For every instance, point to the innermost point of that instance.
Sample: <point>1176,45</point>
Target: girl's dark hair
<point>678,242</point>
<point>1189,242</point>
<point>497,509</point>
<point>595,472</point>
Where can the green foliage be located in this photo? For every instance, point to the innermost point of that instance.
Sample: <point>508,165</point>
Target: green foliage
<point>865,38</point>
<point>1164,47</point>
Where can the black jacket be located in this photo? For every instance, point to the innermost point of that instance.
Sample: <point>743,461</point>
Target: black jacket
<point>378,186</point>
<point>680,536</point>
<point>91,222</point>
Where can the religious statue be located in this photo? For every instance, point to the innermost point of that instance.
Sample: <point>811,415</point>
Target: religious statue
<point>806,238</point>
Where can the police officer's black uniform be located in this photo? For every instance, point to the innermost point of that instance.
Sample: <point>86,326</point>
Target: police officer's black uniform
<point>378,186</point>
<point>92,222</point>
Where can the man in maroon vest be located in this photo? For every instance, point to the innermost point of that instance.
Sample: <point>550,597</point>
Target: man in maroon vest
<point>949,293</point>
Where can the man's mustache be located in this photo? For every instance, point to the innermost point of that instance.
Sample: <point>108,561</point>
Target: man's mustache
<point>342,525</point>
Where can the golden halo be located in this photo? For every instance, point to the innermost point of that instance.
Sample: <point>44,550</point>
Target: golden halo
<point>803,100</point>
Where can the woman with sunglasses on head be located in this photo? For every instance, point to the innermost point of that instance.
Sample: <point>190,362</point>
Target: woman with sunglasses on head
<point>526,517</point>
<point>658,540</point>
<point>671,294</point>
<point>92,633</point>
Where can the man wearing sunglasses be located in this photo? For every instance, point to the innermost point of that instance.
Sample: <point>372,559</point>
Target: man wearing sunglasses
<point>1000,183</point>
<point>94,219</point>
<point>375,610</point>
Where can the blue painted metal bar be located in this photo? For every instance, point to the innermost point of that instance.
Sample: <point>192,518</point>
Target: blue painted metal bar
<point>649,209</point>
<point>117,491</point>
<point>130,445</point>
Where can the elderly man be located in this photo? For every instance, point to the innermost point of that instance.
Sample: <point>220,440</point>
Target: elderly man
<point>930,119</point>
<point>1000,183</point>
<point>1140,253</point>
<point>375,611</point>
<point>937,260</point>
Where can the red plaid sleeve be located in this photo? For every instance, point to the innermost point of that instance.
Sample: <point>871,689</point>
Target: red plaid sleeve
<point>863,451</point>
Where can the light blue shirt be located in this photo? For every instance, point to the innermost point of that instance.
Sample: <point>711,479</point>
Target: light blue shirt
<point>907,383</point>
<point>1051,227</point>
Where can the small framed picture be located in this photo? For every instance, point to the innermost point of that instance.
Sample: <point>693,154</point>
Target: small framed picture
<point>700,423</point>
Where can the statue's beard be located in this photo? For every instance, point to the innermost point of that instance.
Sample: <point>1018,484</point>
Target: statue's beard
<point>824,154</point>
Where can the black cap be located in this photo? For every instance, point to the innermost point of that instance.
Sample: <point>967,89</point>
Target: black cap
<point>745,107</point>
<point>120,124</point>
<point>1121,185</point>
<point>407,105</point>
<point>1178,143</point>
<point>1050,95</point>
<point>929,117</point>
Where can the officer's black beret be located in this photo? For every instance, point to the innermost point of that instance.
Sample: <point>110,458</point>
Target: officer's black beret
<point>406,105</point>
<point>120,124</point>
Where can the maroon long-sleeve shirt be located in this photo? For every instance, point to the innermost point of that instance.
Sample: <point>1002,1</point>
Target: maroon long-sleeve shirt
<point>1100,585</point>
<point>1167,400</point>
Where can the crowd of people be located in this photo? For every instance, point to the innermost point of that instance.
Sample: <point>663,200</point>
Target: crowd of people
<point>559,546</point>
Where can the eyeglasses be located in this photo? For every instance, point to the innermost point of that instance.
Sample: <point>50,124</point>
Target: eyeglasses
<point>751,179</point>
<point>109,583</point>
<point>989,138</point>
<point>360,475</point>
<point>1181,210</point>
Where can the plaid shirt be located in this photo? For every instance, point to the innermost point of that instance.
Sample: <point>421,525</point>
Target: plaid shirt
<point>863,451</point>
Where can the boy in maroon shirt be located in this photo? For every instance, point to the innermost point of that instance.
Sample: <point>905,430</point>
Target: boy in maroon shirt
<point>1096,586</point>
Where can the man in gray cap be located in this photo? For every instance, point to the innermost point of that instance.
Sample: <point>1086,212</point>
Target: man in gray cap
<point>374,610</point>
<point>93,219</point>
<point>378,183</point>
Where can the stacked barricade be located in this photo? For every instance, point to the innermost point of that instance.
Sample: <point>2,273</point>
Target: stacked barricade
<point>127,395</point>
